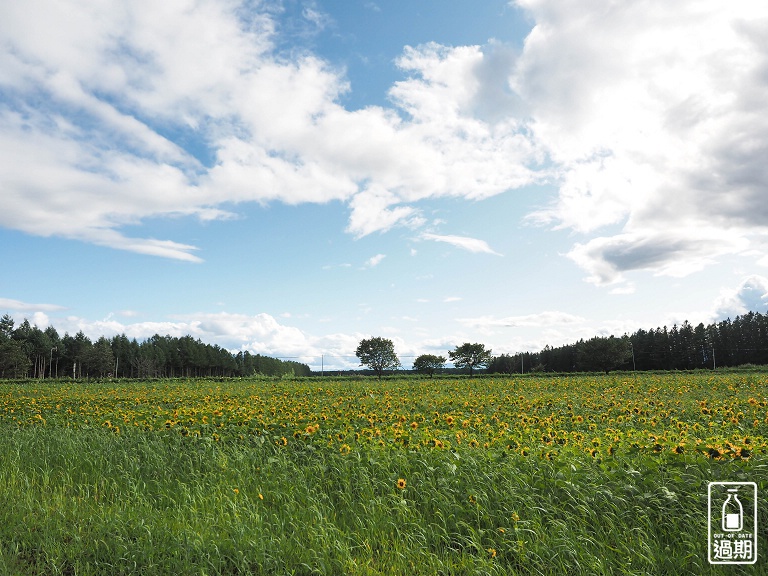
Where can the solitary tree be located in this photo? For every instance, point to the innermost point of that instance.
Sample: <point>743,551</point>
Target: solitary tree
<point>378,354</point>
<point>470,356</point>
<point>428,363</point>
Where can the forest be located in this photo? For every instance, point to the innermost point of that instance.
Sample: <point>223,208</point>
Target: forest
<point>29,352</point>
<point>743,340</point>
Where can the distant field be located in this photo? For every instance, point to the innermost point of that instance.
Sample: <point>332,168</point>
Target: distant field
<point>534,475</point>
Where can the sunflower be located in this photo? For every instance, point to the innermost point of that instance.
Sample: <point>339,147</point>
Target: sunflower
<point>401,483</point>
<point>743,453</point>
<point>714,452</point>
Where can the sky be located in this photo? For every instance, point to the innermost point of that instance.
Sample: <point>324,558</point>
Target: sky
<point>289,177</point>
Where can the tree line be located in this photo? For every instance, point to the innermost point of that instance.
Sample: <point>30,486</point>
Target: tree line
<point>27,351</point>
<point>728,343</point>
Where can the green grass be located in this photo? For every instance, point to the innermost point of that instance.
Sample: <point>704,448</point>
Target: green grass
<point>91,502</point>
<point>198,480</point>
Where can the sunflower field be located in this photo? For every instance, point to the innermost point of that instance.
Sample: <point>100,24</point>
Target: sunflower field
<point>585,474</point>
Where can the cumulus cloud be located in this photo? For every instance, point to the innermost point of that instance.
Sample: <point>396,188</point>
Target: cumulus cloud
<point>464,242</point>
<point>371,212</point>
<point>652,115</point>
<point>114,113</point>
<point>258,334</point>
<point>648,117</point>
<point>751,295</point>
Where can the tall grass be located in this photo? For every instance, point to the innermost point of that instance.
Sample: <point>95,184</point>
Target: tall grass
<point>91,502</point>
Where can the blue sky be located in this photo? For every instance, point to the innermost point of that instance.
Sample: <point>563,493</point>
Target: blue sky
<point>290,177</point>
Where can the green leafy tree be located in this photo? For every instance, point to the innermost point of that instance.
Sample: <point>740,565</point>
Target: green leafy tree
<point>470,356</point>
<point>602,354</point>
<point>39,347</point>
<point>504,364</point>
<point>14,363</point>
<point>101,359</point>
<point>6,327</point>
<point>428,363</point>
<point>378,354</point>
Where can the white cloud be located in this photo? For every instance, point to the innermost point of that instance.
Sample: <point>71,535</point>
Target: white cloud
<point>674,252</point>
<point>653,117</point>
<point>751,295</point>
<point>541,319</point>
<point>12,304</point>
<point>647,116</point>
<point>92,89</point>
<point>464,242</point>
<point>259,334</point>
<point>371,212</point>
<point>374,260</point>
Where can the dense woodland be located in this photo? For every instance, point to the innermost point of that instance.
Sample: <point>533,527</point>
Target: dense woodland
<point>743,340</point>
<point>28,352</point>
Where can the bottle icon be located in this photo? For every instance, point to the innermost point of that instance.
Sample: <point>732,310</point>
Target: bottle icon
<point>733,512</point>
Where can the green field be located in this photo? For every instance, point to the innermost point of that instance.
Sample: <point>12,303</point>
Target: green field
<point>533,475</point>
